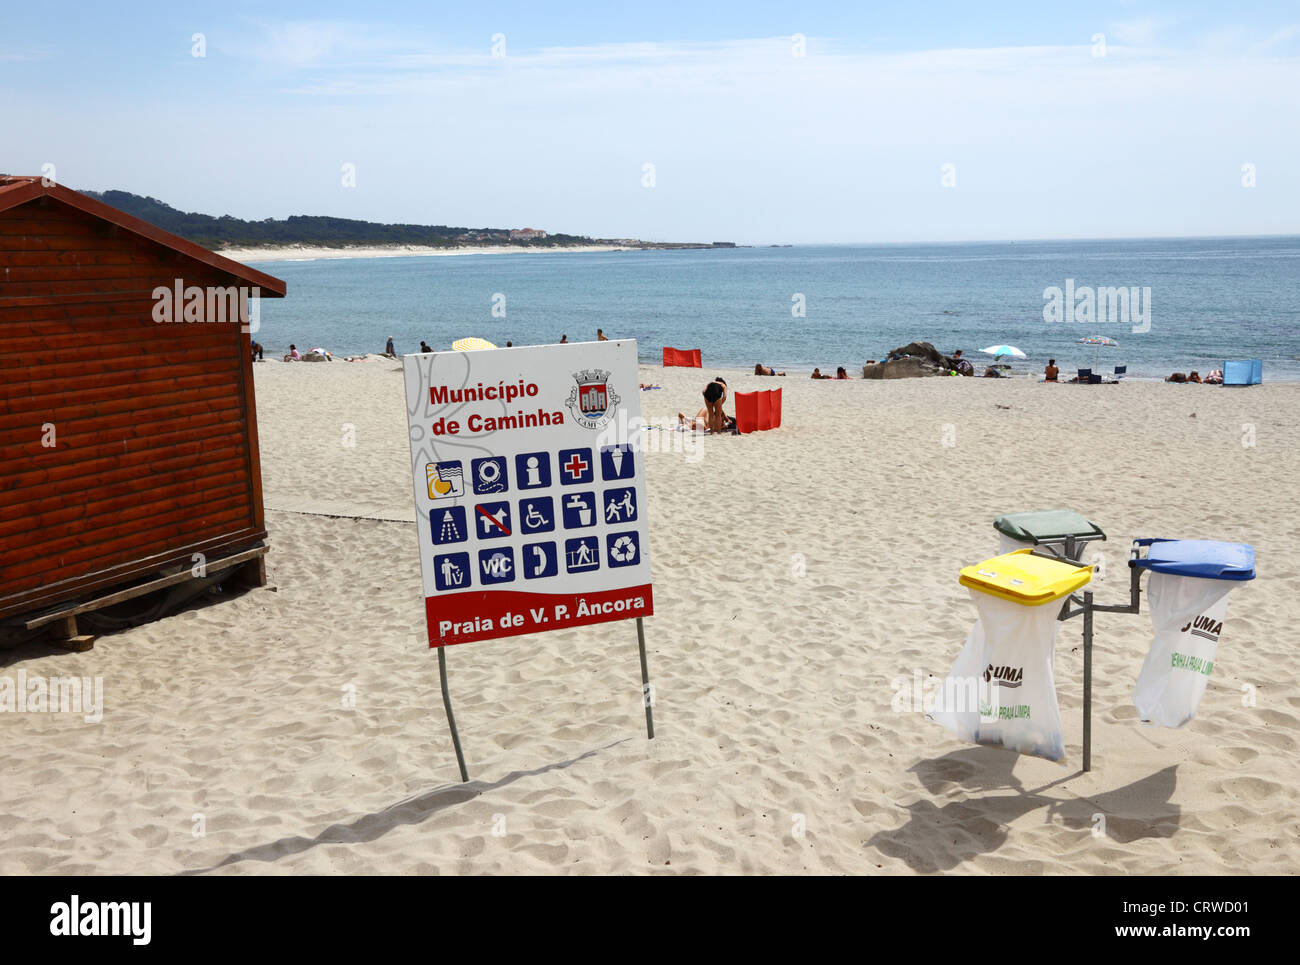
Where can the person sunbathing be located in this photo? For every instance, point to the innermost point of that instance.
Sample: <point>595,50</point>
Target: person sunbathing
<point>1052,373</point>
<point>840,373</point>
<point>761,369</point>
<point>697,424</point>
<point>1176,377</point>
<point>1194,377</point>
<point>701,422</point>
<point>817,374</point>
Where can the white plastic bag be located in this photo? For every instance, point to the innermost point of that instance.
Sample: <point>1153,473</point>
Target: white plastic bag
<point>1001,690</point>
<point>1187,616</point>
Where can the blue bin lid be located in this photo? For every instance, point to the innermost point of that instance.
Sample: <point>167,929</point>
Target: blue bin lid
<point>1207,559</point>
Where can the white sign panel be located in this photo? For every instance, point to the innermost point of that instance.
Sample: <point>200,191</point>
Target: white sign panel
<point>529,497</point>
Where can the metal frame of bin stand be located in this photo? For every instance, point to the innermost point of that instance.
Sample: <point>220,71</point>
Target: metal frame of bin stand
<point>1085,607</point>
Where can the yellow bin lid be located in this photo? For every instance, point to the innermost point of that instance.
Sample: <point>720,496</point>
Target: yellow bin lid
<point>1024,578</point>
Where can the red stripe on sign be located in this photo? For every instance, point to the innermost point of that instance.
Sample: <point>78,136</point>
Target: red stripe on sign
<point>487,614</point>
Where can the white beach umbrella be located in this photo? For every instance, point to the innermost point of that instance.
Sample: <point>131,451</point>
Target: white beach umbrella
<point>1000,350</point>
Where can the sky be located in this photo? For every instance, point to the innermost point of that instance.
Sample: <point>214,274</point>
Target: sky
<point>753,122</point>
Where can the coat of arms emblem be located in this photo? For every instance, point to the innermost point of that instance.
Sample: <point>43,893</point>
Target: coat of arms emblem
<point>592,401</point>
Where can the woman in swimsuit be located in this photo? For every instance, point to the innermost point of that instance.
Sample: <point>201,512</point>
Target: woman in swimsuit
<point>715,394</point>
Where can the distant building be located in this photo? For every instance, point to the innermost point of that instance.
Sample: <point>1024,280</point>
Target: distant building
<point>527,234</point>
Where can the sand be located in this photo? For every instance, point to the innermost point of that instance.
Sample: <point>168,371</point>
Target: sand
<point>308,253</point>
<point>798,573</point>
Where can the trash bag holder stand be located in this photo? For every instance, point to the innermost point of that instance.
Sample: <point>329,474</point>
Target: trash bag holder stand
<point>1203,559</point>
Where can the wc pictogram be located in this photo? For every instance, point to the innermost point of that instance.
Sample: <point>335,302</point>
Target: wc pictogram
<point>496,565</point>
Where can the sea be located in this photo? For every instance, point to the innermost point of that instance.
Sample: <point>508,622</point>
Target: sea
<point>1192,303</point>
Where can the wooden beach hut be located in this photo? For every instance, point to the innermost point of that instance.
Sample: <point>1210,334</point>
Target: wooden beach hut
<point>128,429</point>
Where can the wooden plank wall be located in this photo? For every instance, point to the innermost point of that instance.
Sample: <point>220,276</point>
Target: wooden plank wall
<point>155,454</point>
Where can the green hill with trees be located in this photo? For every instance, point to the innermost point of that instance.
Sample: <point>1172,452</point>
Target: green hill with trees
<point>313,230</point>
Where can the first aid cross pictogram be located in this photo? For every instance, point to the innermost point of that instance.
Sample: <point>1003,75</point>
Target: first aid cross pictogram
<point>576,466</point>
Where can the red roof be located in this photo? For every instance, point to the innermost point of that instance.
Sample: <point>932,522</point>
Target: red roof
<point>19,190</point>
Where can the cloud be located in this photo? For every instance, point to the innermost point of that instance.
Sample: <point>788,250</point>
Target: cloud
<point>1136,33</point>
<point>311,44</point>
<point>23,56</point>
<point>1278,38</point>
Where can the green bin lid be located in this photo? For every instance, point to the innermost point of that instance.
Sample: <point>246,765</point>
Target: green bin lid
<point>1047,525</point>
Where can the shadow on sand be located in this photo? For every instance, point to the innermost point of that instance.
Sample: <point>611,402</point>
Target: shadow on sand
<point>939,838</point>
<point>370,827</point>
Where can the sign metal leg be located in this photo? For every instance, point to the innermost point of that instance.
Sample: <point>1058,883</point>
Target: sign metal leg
<point>451,718</point>
<point>1087,681</point>
<point>645,682</point>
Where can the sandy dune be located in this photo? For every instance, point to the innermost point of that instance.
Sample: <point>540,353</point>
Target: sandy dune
<point>309,253</point>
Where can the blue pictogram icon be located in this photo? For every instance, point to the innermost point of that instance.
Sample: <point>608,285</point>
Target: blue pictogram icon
<point>533,470</point>
<point>536,515</point>
<point>540,560</point>
<point>581,554</point>
<point>616,462</point>
<point>624,549</point>
<point>448,525</point>
<point>496,565</point>
<point>620,505</point>
<point>579,510</point>
<point>451,572</point>
<point>489,475</point>
<point>576,467</point>
<point>493,520</point>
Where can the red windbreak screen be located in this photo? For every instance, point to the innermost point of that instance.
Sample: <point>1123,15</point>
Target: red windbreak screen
<point>756,411</point>
<point>687,357</point>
